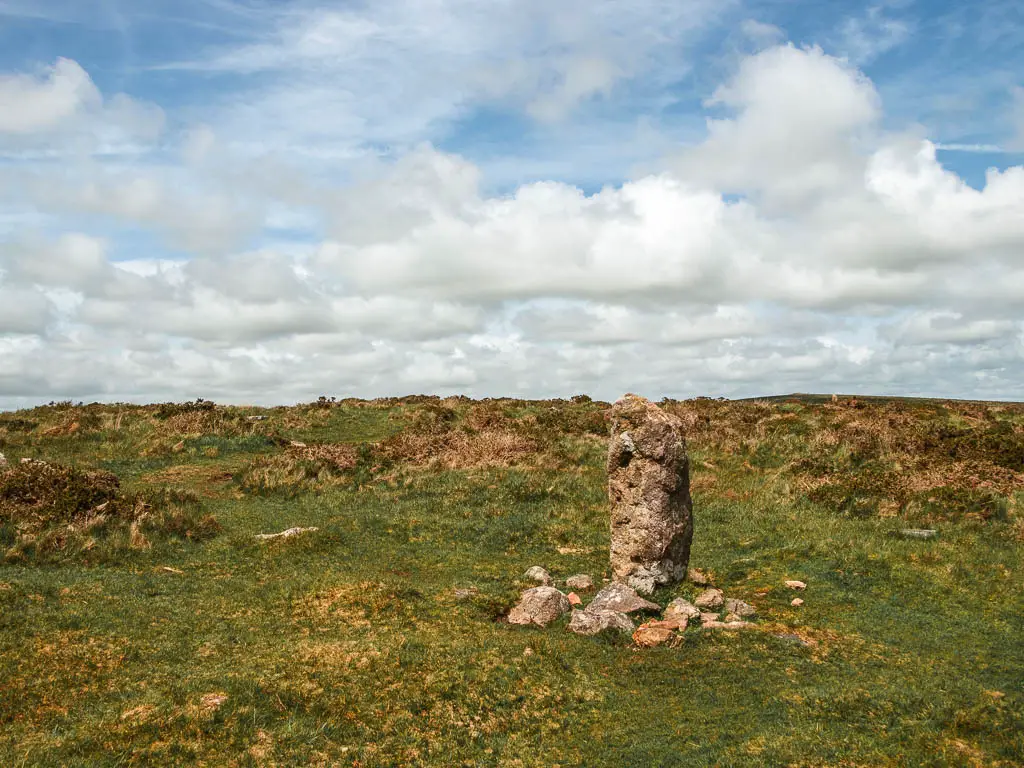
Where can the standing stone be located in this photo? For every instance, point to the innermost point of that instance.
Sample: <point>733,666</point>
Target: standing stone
<point>649,490</point>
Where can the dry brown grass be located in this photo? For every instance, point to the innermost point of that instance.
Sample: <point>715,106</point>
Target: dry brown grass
<point>50,510</point>
<point>458,449</point>
<point>301,468</point>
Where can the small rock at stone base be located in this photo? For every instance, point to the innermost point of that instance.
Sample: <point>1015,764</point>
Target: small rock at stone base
<point>677,623</point>
<point>592,622</point>
<point>797,602</point>
<point>621,598</point>
<point>651,637</point>
<point>580,581</point>
<point>574,599</point>
<point>698,577</point>
<point>710,598</point>
<point>705,618</point>
<point>731,617</point>
<point>538,574</point>
<point>739,607</point>
<point>726,624</point>
<point>796,585</point>
<point>540,606</point>
<point>680,608</point>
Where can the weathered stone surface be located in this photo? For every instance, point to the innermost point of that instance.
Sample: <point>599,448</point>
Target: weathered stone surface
<point>651,637</point>
<point>538,574</point>
<point>574,599</point>
<point>710,598</point>
<point>739,607</point>
<point>796,585</point>
<point>540,606</point>
<point>649,491</point>
<point>621,598</point>
<point>580,581</point>
<point>591,622</point>
<point>680,608</point>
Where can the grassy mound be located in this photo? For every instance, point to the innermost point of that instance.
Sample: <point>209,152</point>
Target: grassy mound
<point>52,512</point>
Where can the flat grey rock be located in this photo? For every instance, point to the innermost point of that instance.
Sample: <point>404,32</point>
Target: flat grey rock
<point>621,598</point>
<point>592,622</point>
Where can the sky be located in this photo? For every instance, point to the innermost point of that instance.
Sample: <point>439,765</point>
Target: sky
<point>264,201</point>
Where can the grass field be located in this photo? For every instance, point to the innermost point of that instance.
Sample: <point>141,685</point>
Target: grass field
<point>157,631</point>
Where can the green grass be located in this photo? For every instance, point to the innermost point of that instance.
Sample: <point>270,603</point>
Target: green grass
<point>348,646</point>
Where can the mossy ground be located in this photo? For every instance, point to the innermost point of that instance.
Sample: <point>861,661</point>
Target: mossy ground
<point>348,646</point>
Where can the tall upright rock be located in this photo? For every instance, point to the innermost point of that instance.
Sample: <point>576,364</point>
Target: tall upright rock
<point>649,490</point>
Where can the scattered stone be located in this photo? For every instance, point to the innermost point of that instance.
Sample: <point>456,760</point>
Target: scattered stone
<point>580,581</point>
<point>731,617</point>
<point>538,574</point>
<point>464,593</point>
<point>710,598</point>
<point>574,599</point>
<point>622,599</point>
<point>651,637</point>
<point>178,447</point>
<point>285,534</point>
<point>649,490</point>
<point>919,533</point>
<point>3,461</point>
<point>175,571</point>
<point>680,608</point>
<point>699,577</point>
<point>256,418</point>
<point>590,622</point>
<point>706,618</point>
<point>213,701</point>
<point>297,444</point>
<point>540,606</point>
<point>796,585</point>
<point>727,625</point>
<point>677,623</point>
<point>527,651</point>
<point>797,602</point>
<point>739,607</point>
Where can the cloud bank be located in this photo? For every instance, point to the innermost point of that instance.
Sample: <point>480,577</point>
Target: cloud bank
<point>801,243</point>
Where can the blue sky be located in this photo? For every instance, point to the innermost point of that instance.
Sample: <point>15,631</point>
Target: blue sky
<point>210,196</point>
